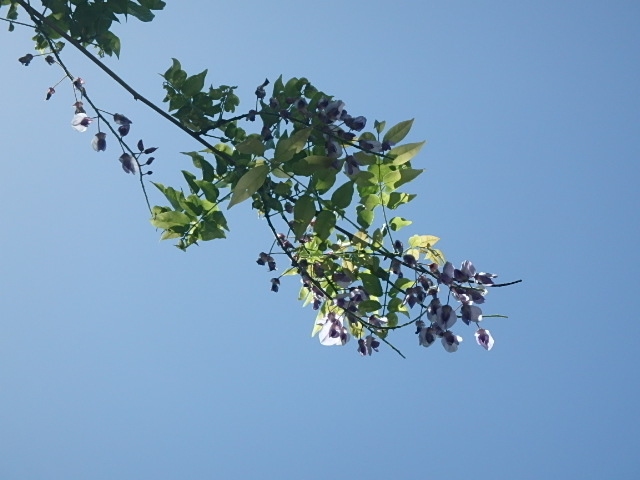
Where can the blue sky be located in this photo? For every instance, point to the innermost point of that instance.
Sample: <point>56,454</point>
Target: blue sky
<point>121,357</point>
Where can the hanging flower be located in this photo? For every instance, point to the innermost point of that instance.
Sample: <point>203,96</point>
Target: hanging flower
<point>471,313</point>
<point>99,142</point>
<point>129,164</point>
<point>333,331</point>
<point>26,60</point>
<point>484,338</point>
<point>356,123</point>
<point>450,342</point>
<point>446,317</point>
<point>366,346</point>
<point>50,92</point>
<point>427,336</point>
<point>371,146</point>
<point>81,122</point>
<point>121,119</point>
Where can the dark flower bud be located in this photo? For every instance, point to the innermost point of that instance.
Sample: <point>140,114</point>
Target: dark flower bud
<point>78,83</point>
<point>150,150</point>
<point>260,93</point>
<point>50,92</point>
<point>266,133</point>
<point>123,130</point>
<point>129,164</point>
<point>99,142</point>
<point>262,258</point>
<point>151,159</point>
<point>251,115</point>
<point>301,104</point>
<point>79,107</point>
<point>288,207</point>
<point>140,145</point>
<point>149,173</point>
<point>398,246</point>
<point>275,284</point>
<point>26,60</point>
<point>50,60</point>
<point>410,260</point>
<point>362,348</point>
<point>386,145</point>
<point>121,119</point>
<point>273,103</point>
<point>322,104</point>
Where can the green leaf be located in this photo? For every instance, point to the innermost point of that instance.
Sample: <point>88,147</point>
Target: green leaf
<point>190,178</point>
<point>170,219</point>
<point>210,191</point>
<point>288,147</point>
<point>408,174</point>
<point>398,198</point>
<point>364,216</point>
<point>397,133</point>
<point>194,84</point>
<point>379,126</point>
<point>396,223</point>
<point>325,222</point>
<point>141,13</point>
<point>324,179</point>
<point>371,284</point>
<point>153,4</point>
<point>423,241</point>
<point>252,145</point>
<point>311,164</point>
<point>303,212</point>
<point>369,306</point>
<point>342,196</point>
<point>249,184</point>
<point>406,152</point>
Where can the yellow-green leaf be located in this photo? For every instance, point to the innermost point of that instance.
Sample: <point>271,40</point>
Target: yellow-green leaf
<point>406,152</point>
<point>397,133</point>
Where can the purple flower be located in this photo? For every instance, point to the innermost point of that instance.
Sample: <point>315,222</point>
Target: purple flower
<point>447,274</point>
<point>26,60</point>
<point>121,119</point>
<point>372,146</point>
<point>79,107</point>
<point>334,149</point>
<point>351,165</point>
<point>368,345</point>
<point>333,331</point>
<point>484,338</point>
<point>427,336</point>
<point>333,110</point>
<point>129,164</point>
<point>50,92</point>
<point>341,279</point>
<point>446,317</point>
<point>471,313</point>
<point>450,342</point>
<point>81,122</point>
<point>99,142</point>
<point>356,123</point>
<point>433,308</point>
<point>467,270</point>
<point>275,284</point>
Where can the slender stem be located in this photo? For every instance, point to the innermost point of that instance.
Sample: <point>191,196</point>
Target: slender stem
<point>35,16</point>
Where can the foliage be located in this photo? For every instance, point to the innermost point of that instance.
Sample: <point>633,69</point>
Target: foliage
<point>326,186</point>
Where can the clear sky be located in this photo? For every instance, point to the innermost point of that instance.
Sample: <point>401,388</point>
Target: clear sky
<point>121,357</point>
